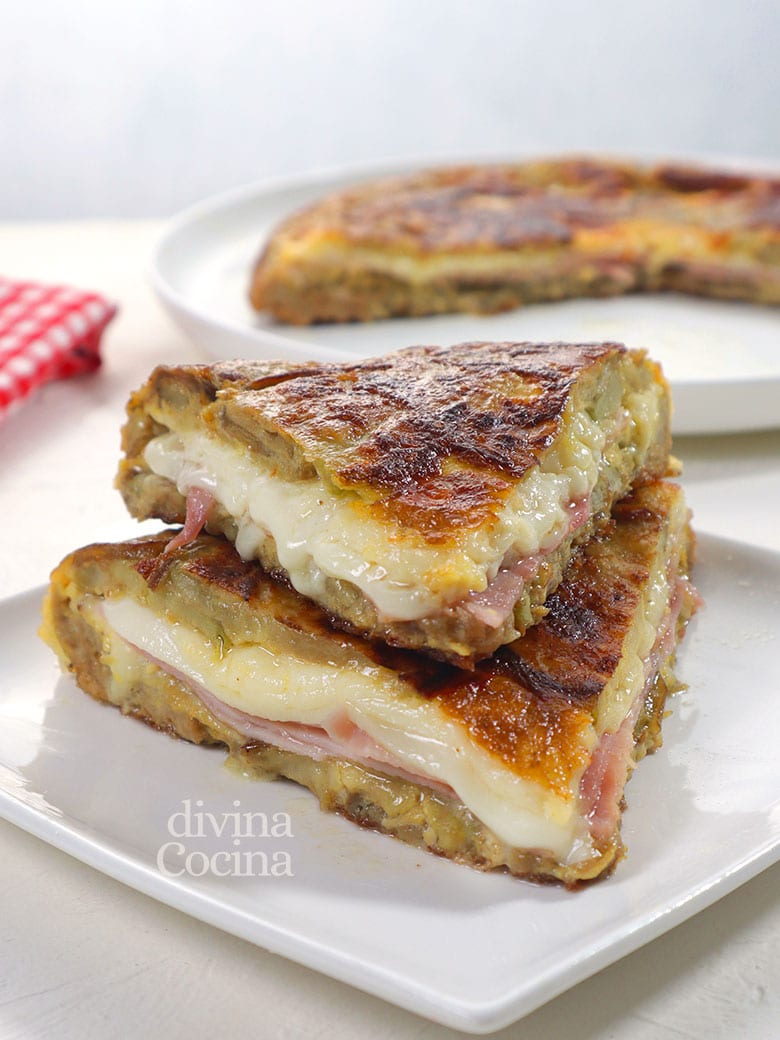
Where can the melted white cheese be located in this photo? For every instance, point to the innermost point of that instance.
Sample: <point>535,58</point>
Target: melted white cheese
<point>322,533</point>
<point>283,688</point>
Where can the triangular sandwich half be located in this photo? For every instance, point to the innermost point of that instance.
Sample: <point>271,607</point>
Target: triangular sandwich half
<point>430,498</point>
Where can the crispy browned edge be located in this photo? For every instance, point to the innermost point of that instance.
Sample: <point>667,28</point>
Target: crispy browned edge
<point>431,402</point>
<point>428,213</point>
<point>421,817</point>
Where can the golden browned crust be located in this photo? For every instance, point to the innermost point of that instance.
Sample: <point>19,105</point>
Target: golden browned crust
<point>528,706</point>
<point>599,227</point>
<point>406,425</point>
<point>424,426</point>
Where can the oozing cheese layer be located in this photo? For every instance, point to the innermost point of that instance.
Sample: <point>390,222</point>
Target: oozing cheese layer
<point>283,688</point>
<point>321,533</point>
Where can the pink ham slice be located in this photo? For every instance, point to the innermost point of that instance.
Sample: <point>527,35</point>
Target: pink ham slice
<point>338,738</point>
<point>494,605</point>
<point>603,782</point>
<point>605,778</point>
<point>200,504</point>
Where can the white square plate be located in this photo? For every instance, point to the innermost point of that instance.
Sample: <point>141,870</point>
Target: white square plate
<point>470,950</point>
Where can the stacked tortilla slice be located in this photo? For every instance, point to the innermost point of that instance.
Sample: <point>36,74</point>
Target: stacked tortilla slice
<point>443,588</point>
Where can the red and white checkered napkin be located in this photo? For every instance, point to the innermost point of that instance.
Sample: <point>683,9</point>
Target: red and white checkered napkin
<point>46,332</point>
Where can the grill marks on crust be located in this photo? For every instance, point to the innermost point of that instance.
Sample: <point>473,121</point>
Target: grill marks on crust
<point>400,426</point>
<point>431,437</point>
<point>490,405</point>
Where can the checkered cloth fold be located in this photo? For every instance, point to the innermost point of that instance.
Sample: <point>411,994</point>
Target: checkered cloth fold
<point>46,332</point>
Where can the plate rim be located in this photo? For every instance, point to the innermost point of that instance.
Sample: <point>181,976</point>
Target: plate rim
<point>476,1016</point>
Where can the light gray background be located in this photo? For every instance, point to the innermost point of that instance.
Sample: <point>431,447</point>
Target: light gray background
<point>138,109</point>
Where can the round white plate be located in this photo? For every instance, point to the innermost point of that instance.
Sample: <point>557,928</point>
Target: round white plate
<point>722,359</point>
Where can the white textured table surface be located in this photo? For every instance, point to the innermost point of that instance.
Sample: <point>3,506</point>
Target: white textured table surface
<point>83,956</point>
